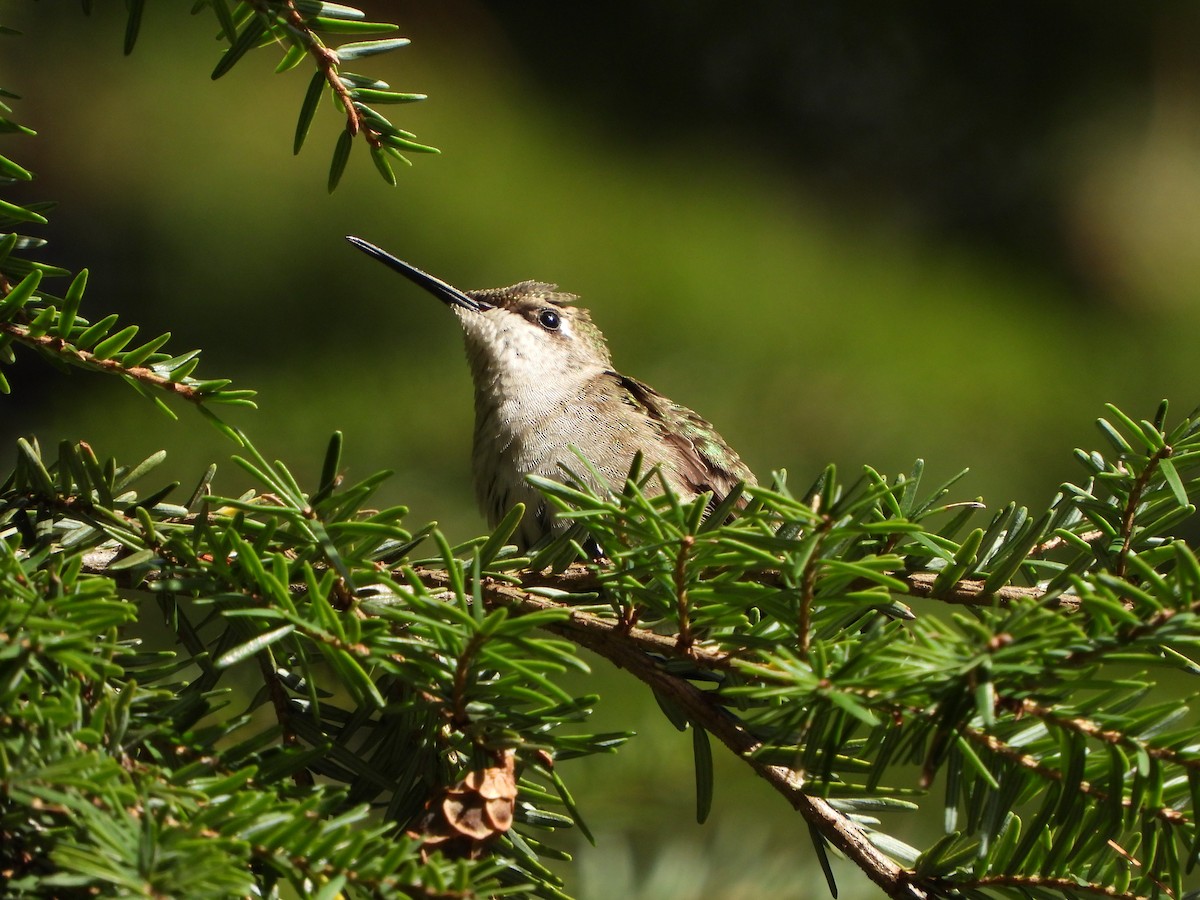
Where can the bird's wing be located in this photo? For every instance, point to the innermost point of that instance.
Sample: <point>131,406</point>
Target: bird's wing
<point>703,460</point>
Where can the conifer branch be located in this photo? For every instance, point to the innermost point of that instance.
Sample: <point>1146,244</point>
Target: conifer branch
<point>626,648</point>
<point>326,60</point>
<point>73,355</point>
<point>414,708</point>
<point>995,745</point>
<point>1067,886</point>
<point>1088,728</point>
<point>1129,513</point>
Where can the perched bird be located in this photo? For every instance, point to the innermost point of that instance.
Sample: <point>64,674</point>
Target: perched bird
<point>544,384</point>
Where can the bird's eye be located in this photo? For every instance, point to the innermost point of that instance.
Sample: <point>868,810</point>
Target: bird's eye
<point>549,319</point>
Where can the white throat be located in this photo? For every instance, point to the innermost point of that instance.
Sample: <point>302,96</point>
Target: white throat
<point>521,374</point>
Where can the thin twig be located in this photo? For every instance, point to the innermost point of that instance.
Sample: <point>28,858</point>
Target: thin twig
<point>1002,748</point>
<point>627,649</point>
<point>60,348</point>
<point>1129,514</point>
<point>282,706</point>
<point>1091,729</point>
<point>1058,540</point>
<point>327,62</point>
<point>1068,886</point>
<point>968,592</point>
<point>808,586</point>
<point>685,639</point>
<point>462,671</point>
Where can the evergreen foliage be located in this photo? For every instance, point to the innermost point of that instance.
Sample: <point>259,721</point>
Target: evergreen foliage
<point>405,728</point>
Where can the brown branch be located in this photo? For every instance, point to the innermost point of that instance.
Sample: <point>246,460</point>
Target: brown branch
<point>327,62</point>
<point>685,639</point>
<point>1057,541</point>
<point>579,579</point>
<point>639,650</point>
<point>1124,636</point>
<point>968,592</point>
<point>282,707</point>
<point>1091,729</point>
<point>1069,886</point>
<point>462,670</point>
<point>626,648</point>
<point>1129,514</point>
<point>808,585</point>
<point>71,354</point>
<point>636,650</point>
<point>1001,748</point>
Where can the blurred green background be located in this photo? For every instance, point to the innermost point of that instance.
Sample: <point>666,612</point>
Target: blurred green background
<point>844,232</point>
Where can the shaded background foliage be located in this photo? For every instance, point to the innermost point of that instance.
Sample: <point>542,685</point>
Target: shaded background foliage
<point>842,232</point>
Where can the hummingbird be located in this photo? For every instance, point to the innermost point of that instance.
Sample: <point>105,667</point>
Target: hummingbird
<point>545,384</point>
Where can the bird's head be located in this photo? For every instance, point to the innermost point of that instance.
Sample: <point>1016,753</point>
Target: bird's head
<point>529,331</point>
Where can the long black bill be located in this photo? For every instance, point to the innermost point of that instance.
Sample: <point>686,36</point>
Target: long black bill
<point>446,293</point>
